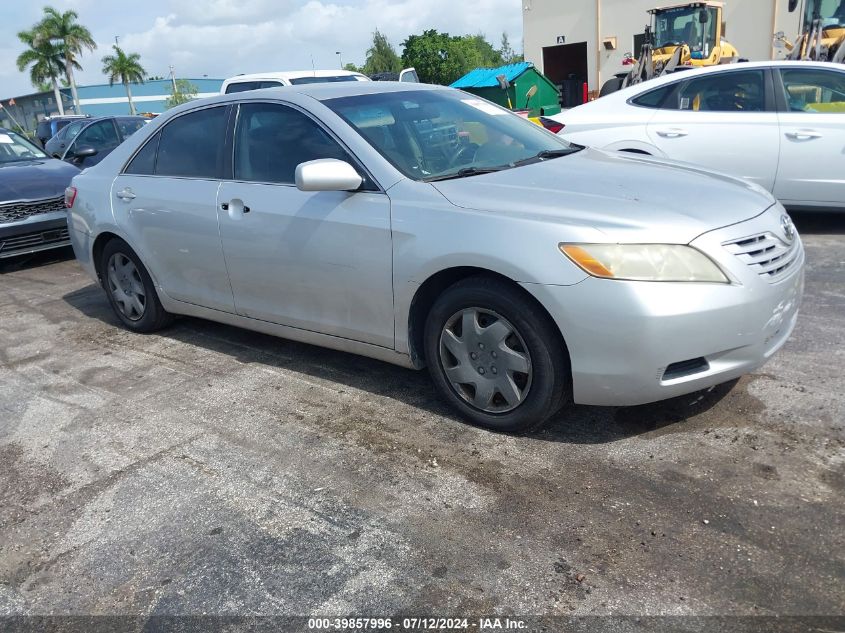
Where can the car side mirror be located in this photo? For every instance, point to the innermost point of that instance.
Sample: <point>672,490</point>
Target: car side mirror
<point>327,174</point>
<point>84,151</point>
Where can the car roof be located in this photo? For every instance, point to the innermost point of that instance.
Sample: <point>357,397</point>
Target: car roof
<point>294,74</point>
<point>321,91</point>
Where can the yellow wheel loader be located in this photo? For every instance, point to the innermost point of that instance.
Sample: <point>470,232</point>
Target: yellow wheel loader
<point>822,35</point>
<point>679,36</point>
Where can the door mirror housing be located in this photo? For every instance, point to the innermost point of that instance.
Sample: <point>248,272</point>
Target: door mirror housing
<point>327,174</point>
<point>84,151</point>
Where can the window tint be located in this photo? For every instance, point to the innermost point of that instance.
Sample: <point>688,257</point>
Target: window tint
<point>654,98</point>
<point>322,80</point>
<point>128,127</point>
<point>724,92</point>
<point>100,135</point>
<point>192,145</point>
<point>73,129</point>
<point>241,86</point>
<point>144,162</point>
<point>813,90</point>
<point>271,140</point>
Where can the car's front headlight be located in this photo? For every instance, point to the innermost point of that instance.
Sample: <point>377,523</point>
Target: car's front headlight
<point>644,262</point>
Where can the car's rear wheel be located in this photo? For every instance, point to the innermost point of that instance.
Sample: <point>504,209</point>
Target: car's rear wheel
<point>495,356</point>
<point>130,289</point>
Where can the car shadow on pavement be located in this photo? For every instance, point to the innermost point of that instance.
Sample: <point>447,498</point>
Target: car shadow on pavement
<point>35,260</point>
<point>578,425</point>
<point>819,222</point>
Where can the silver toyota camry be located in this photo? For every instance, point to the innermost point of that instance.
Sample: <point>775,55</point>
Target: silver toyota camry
<point>423,226</point>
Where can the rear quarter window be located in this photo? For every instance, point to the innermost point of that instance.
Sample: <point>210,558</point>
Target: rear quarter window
<point>654,98</point>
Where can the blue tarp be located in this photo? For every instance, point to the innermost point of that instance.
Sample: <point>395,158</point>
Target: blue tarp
<point>486,77</point>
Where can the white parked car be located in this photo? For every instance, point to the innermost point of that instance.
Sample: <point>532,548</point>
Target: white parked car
<point>241,83</point>
<point>778,124</point>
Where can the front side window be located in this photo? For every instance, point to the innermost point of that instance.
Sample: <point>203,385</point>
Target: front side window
<point>724,92</point>
<point>191,145</point>
<point>813,90</point>
<point>14,147</point>
<point>428,134</point>
<point>128,127</point>
<point>100,135</point>
<point>272,139</point>
<point>72,130</point>
<point>323,80</point>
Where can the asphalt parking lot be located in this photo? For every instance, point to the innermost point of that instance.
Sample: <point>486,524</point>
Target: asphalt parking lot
<point>211,470</point>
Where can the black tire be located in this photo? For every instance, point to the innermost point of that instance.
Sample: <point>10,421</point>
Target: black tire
<point>610,86</point>
<point>153,317</point>
<point>535,333</point>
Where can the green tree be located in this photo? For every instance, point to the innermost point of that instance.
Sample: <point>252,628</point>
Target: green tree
<point>184,91</point>
<point>381,57</point>
<point>352,67</point>
<point>126,69</point>
<point>441,59</point>
<point>46,64</point>
<point>62,29</point>
<point>509,56</point>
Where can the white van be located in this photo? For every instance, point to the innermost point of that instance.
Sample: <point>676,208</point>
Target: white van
<point>241,83</point>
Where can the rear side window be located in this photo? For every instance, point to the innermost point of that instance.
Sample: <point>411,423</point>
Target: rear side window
<point>323,80</point>
<point>145,161</point>
<point>654,98</point>
<point>243,86</point>
<point>192,145</point>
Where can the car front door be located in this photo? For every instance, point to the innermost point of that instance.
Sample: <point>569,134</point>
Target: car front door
<point>166,201</point>
<point>319,261</point>
<point>100,136</point>
<point>725,121</point>
<point>812,126</point>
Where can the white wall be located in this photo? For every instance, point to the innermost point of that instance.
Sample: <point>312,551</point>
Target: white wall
<point>751,25</point>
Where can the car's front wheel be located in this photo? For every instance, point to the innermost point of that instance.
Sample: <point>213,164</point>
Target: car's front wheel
<point>130,289</point>
<point>495,356</point>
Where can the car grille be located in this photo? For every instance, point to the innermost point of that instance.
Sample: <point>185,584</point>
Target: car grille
<point>766,254</point>
<point>16,211</point>
<point>31,242</point>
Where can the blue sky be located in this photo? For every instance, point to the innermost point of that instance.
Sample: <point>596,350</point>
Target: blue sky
<point>220,38</point>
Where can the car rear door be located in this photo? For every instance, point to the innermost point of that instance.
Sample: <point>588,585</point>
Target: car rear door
<point>319,261</point>
<point>166,202</point>
<point>725,121</point>
<point>812,127</point>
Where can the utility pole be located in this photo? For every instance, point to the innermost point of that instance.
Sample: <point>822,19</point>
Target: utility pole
<point>340,57</point>
<point>173,79</point>
<point>116,40</point>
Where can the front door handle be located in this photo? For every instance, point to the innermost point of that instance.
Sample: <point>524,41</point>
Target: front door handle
<point>672,133</point>
<point>125,194</point>
<point>803,135</point>
<point>235,205</point>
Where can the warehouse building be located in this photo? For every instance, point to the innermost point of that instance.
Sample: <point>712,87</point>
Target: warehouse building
<point>577,42</point>
<point>97,100</point>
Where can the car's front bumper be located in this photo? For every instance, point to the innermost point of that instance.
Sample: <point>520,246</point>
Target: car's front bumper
<point>623,336</point>
<point>37,233</point>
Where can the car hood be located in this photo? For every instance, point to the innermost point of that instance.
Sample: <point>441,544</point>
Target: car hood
<point>625,196</point>
<point>34,179</point>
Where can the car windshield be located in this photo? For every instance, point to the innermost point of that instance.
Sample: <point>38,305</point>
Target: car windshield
<point>437,134</point>
<point>683,25</point>
<point>831,12</point>
<point>14,147</point>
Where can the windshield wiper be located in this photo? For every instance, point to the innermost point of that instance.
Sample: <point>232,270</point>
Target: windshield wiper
<point>463,173</point>
<point>547,154</point>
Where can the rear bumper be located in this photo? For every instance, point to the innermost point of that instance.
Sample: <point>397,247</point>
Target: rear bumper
<point>38,233</point>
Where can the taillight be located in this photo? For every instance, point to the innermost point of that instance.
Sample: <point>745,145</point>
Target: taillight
<point>70,197</point>
<point>552,126</point>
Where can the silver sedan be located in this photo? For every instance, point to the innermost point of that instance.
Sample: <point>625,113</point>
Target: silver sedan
<point>426,227</point>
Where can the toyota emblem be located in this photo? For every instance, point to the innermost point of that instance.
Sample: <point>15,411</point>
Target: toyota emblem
<point>788,227</point>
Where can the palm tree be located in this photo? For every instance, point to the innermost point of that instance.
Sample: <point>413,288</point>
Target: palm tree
<point>124,68</point>
<point>46,63</point>
<point>63,30</point>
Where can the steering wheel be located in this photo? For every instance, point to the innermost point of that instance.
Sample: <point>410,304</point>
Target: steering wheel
<point>463,152</point>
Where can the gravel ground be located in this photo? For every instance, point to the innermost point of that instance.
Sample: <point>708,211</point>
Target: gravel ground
<point>210,470</point>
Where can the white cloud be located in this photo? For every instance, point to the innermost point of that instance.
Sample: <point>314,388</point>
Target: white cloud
<point>220,38</point>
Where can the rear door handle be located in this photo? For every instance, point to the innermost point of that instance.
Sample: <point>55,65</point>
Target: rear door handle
<point>803,135</point>
<point>125,194</point>
<point>672,133</point>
